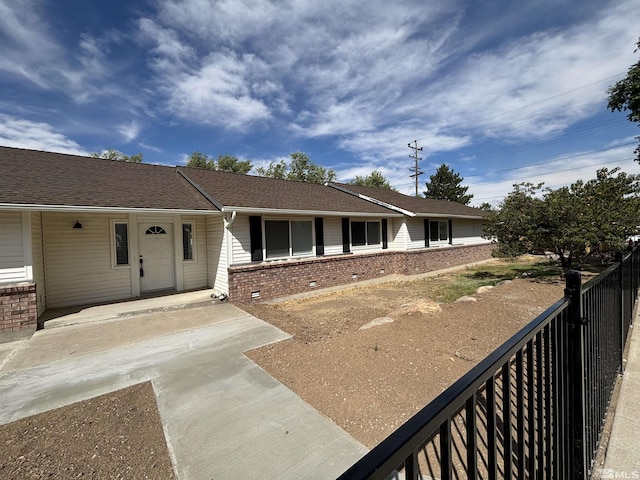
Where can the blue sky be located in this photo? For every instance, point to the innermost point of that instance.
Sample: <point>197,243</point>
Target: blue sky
<point>501,91</point>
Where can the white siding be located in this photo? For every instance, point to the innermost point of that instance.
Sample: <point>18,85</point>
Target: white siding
<point>217,255</point>
<point>38,261</point>
<point>78,262</point>
<point>467,232</point>
<point>332,235</point>
<point>195,271</point>
<point>12,257</point>
<point>415,231</point>
<point>241,243</point>
<point>399,234</point>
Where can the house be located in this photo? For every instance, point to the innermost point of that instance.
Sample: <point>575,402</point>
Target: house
<point>77,230</point>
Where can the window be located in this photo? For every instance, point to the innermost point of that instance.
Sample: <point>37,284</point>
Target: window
<point>301,238</point>
<point>187,241</point>
<point>358,233</point>
<point>155,230</point>
<point>438,231</point>
<point>373,233</point>
<point>286,238</point>
<point>121,242</point>
<point>365,233</point>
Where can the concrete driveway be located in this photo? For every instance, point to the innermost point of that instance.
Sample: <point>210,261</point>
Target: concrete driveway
<point>223,416</point>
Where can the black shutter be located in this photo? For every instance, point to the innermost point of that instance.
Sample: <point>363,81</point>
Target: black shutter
<point>385,240</point>
<point>319,236</point>
<point>255,233</point>
<point>426,232</point>
<point>450,232</point>
<point>346,247</point>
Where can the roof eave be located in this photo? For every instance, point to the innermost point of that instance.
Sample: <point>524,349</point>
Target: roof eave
<point>449,215</point>
<point>94,209</point>
<point>373,200</point>
<point>322,213</point>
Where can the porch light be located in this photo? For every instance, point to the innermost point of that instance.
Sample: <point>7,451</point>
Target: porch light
<point>77,224</point>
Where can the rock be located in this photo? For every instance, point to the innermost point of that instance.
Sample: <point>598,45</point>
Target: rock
<point>376,322</point>
<point>424,306</point>
<point>484,289</point>
<point>504,282</point>
<point>466,298</point>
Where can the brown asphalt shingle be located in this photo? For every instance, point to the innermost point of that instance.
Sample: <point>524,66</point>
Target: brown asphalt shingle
<point>419,205</point>
<point>236,190</point>
<point>45,178</point>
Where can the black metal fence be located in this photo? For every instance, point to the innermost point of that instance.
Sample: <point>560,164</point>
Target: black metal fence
<point>535,407</point>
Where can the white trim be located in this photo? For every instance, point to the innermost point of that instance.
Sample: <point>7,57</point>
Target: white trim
<point>312,213</point>
<point>448,215</point>
<point>134,253</point>
<point>27,254</point>
<point>112,242</point>
<point>386,205</point>
<point>177,253</point>
<point>194,253</point>
<point>367,245</point>
<point>291,255</point>
<point>81,208</point>
<point>439,242</point>
<point>228,240</point>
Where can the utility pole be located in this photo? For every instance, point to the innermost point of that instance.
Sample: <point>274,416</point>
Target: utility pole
<point>415,156</point>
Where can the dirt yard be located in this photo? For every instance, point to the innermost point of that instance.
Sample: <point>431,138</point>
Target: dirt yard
<point>370,381</point>
<point>118,435</point>
<point>367,381</point>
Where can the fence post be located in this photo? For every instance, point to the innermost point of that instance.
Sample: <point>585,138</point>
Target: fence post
<point>623,311</point>
<point>576,378</point>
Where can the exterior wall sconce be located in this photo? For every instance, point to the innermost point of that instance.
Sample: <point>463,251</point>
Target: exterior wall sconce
<point>77,224</point>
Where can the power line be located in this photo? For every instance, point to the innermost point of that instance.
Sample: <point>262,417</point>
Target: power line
<point>552,97</point>
<point>549,172</point>
<point>551,161</point>
<point>416,158</point>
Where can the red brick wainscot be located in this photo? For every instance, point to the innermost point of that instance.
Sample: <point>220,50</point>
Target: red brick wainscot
<point>267,280</point>
<point>18,310</point>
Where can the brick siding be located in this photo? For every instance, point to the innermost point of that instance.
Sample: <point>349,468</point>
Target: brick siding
<point>18,309</point>
<point>280,278</point>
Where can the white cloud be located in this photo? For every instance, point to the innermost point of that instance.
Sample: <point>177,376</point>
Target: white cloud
<point>20,133</point>
<point>540,84</point>
<point>32,50</point>
<point>129,131</point>
<point>375,77</point>
<point>28,46</point>
<point>554,173</point>
<point>334,67</point>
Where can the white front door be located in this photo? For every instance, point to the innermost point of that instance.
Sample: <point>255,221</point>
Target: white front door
<point>156,257</point>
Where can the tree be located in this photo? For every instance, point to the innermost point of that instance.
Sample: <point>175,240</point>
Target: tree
<point>486,206</point>
<point>573,222</point>
<point>113,154</point>
<point>300,168</point>
<point>201,160</point>
<point>625,95</point>
<point>513,224</point>
<point>229,163</point>
<point>445,185</point>
<point>375,179</point>
<point>224,163</point>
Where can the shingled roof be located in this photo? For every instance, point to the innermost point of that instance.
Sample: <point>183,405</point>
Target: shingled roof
<point>419,206</point>
<point>31,177</point>
<point>233,191</point>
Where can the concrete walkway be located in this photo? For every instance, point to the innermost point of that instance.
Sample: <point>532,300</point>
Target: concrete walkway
<point>223,416</point>
<point>623,452</point>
